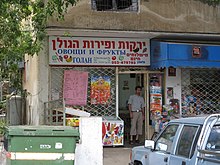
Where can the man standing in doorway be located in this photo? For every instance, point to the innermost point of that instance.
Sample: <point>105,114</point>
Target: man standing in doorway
<point>136,108</point>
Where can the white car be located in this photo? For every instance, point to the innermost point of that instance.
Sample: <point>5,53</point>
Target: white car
<point>185,141</point>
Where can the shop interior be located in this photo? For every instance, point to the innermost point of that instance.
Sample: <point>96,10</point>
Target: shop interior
<point>127,84</point>
<point>150,82</point>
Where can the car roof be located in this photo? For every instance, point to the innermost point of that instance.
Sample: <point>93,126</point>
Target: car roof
<point>190,120</point>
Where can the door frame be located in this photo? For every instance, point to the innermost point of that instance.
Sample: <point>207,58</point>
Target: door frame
<point>146,94</point>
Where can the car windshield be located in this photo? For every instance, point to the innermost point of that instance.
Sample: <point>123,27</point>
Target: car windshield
<point>165,141</point>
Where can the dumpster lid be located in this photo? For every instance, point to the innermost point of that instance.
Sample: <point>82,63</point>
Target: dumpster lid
<point>42,131</point>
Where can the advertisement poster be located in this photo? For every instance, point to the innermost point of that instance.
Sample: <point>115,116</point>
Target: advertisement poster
<point>170,92</point>
<point>155,95</point>
<point>112,133</point>
<point>99,51</point>
<point>75,87</point>
<point>156,100</point>
<point>100,89</point>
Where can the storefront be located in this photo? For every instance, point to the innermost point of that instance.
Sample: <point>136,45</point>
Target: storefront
<point>97,75</point>
<point>192,76</point>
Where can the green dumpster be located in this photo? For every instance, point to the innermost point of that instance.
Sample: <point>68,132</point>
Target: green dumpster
<point>41,145</point>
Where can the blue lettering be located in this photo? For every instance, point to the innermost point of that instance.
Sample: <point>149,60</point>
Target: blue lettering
<point>72,51</point>
<point>59,51</point>
<point>91,51</point>
<point>88,60</point>
<point>65,51</point>
<point>82,60</point>
<point>99,51</point>
<point>78,60</point>
<point>104,52</point>
<point>122,52</point>
<point>69,51</point>
<point>141,62</point>
<point>83,51</point>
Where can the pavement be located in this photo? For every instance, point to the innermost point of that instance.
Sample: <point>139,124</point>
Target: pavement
<point>116,155</point>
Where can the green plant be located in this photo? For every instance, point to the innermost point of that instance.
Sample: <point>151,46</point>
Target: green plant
<point>211,2</point>
<point>22,32</point>
<point>3,126</point>
<point>2,105</point>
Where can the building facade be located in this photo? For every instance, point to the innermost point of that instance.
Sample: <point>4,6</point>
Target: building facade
<point>113,21</point>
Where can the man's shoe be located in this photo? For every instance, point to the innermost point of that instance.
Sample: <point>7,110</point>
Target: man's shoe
<point>131,142</point>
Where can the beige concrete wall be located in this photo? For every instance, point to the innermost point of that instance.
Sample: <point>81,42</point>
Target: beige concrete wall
<point>154,15</point>
<point>31,85</point>
<point>36,84</point>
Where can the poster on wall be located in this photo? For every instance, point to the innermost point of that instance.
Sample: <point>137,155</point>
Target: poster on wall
<point>100,89</point>
<point>170,92</point>
<point>156,100</point>
<point>96,51</point>
<point>75,87</point>
<point>155,95</point>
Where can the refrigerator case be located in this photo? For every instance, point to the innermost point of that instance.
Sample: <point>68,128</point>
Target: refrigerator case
<point>112,131</point>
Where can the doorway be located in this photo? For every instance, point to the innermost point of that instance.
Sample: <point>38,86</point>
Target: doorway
<point>127,81</point>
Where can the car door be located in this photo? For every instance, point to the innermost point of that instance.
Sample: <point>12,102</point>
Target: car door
<point>164,145</point>
<point>186,143</point>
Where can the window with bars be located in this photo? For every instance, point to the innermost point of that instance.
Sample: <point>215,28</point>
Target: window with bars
<point>200,91</point>
<point>115,5</point>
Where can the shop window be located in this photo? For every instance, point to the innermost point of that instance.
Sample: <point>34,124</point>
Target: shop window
<point>115,5</point>
<point>200,91</point>
<point>186,147</point>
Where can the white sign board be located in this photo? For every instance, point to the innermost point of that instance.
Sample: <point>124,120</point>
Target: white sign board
<point>99,51</point>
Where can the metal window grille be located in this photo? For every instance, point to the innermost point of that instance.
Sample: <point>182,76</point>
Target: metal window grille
<point>115,5</point>
<point>200,91</point>
<point>57,75</point>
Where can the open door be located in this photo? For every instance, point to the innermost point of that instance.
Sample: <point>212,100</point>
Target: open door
<point>127,81</point>
<point>126,87</point>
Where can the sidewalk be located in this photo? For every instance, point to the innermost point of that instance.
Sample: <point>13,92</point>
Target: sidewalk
<point>116,155</point>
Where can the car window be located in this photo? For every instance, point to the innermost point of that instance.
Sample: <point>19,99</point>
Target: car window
<point>165,141</point>
<point>187,138</point>
<point>213,142</point>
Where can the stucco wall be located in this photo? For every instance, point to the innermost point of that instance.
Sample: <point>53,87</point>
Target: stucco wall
<point>154,15</point>
<point>31,85</point>
<point>36,84</point>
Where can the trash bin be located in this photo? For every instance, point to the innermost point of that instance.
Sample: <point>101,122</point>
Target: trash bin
<point>41,145</point>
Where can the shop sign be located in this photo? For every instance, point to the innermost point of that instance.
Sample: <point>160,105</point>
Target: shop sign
<point>98,51</point>
<point>196,52</point>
